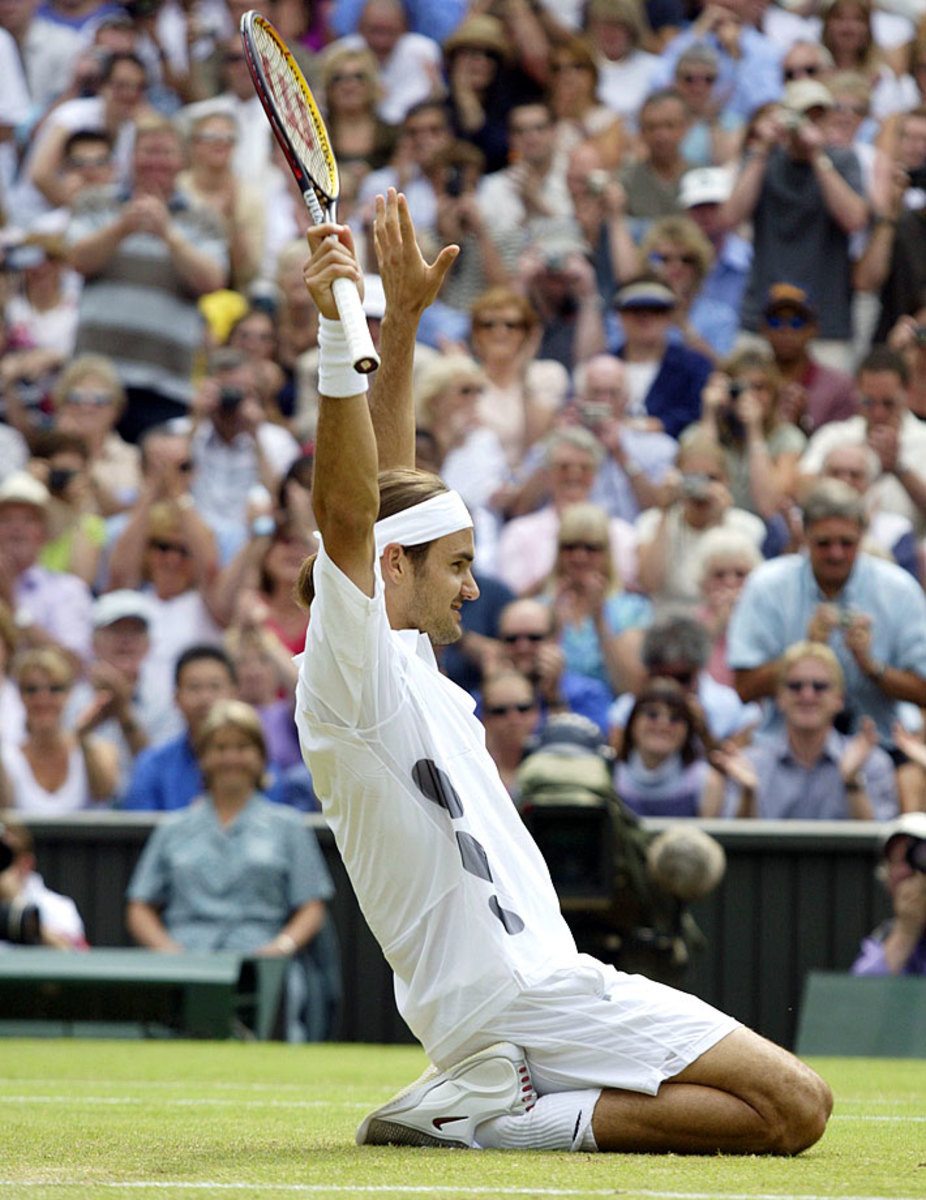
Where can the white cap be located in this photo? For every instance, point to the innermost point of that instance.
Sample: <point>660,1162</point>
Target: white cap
<point>705,185</point>
<point>20,487</point>
<point>805,94</point>
<point>116,606</point>
<point>911,824</point>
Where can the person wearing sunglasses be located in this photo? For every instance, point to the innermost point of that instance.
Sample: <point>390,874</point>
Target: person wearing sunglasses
<point>867,610</point>
<point>53,770</point>
<point>511,715</point>
<point>806,769</point>
<point>677,252</point>
<point>812,394</point>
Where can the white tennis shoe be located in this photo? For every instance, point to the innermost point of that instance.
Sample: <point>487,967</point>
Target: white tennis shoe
<point>444,1108</point>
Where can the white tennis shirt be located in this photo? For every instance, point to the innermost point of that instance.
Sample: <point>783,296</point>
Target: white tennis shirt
<point>450,882</point>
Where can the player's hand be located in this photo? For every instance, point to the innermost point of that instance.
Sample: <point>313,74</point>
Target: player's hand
<point>409,281</point>
<point>333,257</point>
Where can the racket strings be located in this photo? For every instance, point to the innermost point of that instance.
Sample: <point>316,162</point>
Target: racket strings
<point>303,123</point>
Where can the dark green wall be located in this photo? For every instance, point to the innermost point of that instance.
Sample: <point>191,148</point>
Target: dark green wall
<point>797,896</point>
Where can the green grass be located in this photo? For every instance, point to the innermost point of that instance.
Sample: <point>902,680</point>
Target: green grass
<point>98,1119</point>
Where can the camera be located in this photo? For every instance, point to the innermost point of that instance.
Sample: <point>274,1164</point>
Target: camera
<point>792,121</point>
<point>696,486</point>
<point>736,389</point>
<point>919,334</point>
<point>596,181</point>
<point>454,183</point>
<point>916,854</point>
<point>19,921</point>
<point>917,177</point>
<point>230,399</point>
<point>594,414</point>
<point>58,479</point>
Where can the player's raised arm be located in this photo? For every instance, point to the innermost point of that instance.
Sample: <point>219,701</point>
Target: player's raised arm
<point>345,493</point>
<point>410,285</point>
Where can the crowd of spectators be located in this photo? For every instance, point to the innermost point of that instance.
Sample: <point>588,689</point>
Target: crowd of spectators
<point>678,373</point>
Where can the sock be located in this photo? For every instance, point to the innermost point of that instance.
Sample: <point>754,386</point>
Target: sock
<point>558,1121</point>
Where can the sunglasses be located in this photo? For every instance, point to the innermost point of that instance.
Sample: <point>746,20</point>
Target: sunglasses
<point>588,547</point>
<point>819,686</point>
<point>348,77</point>
<point>511,638</point>
<point>653,712</point>
<point>688,260</point>
<point>691,77</point>
<point>215,139</point>
<point>89,399</point>
<point>501,710</point>
<point>33,689</point>
<point>809,72</point>
<point>776,321</point>
<point>498,324</point>
<point>163,547</point>
<point>828,543</point>
<point>82,164</point>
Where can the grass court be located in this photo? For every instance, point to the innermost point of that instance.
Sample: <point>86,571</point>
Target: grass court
<point>92,1120</point>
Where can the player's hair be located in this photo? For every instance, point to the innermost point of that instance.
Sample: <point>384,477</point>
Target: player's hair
<point>404,487</point>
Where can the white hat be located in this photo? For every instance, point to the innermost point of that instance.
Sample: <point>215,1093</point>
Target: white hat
<point>20,487</point>
<point>805,94</point>
<point>117,606</point>
<point>911,824</point>
<point>705,185</point>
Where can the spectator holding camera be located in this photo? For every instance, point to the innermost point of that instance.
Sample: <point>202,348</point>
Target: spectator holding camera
<point>869,611</point>
<point>533,188</point>
<point>898,947</point>
<point>805,202</point>
<point>696,498</point>
<point>908,338</point>
<point>76,530</point>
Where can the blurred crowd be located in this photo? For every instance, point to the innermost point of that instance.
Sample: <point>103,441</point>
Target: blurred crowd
<point>678,373</point>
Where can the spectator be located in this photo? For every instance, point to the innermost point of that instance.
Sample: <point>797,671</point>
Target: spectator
<point>560,284</point>
<point>805,59</point>
<point>664,379</point>
<point>616,28</point>
<point>266,680</point>
<point>234,447</point>
<point>601,625</point>
<point>579,116</point>
<point>677,253</point>
<point>870,612</point>
<point>806,770</point>
<point>908,338</point>
<point>114,697</point>
<point>20,884</point>
<point>804,203</point>
<point>652,183</point>
<point>76,531</point>
<point>898,946</point>
<point>661,770</point>
<point>742,414</point>
<point>696,499</point>
<point>42,311</point>
<point>167,776</point>
<point>359,137</point>
<point>522,393</point>
<point>676,648</point>
<point>636,458</point>
<point>533,188</point>
<point>50,607</point>
<point>599,205</point>
<point>813,394</point>
<point>529,643</point>
<point>890,429</point>
<point>53,771</point>
<point>12,713</point>
<point>210,181</point>
<point>888,534</point>
<point>235,872</point>
<point>145,260</point>
<point>88,400</point>
<point>847,34</point>
<point>725,559</point>
<point>527,547</point>
<point>713,135</point>
<point>510,714</point>
<point>408,64</point>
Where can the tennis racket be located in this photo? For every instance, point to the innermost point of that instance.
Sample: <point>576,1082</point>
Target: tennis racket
<point>298,127</point>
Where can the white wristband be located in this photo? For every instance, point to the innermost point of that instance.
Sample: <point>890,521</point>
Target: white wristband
<point>336,374</point>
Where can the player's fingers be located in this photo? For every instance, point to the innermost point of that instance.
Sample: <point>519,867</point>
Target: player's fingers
<point>445,261</point>
<point>406,225</point>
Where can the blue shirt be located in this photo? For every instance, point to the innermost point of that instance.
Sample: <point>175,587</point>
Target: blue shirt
<point>775,608</point>
<point>787,789</point>
<point>168,777</point>
<point>652,452</point>
<point>434,20</point>
<point>231,887</point>
<point>581,645</point>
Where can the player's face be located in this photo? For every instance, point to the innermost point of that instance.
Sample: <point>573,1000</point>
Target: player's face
<point>438,590</point>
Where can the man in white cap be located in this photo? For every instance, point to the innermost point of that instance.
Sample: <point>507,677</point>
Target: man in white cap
<point>533,1045</point>
<point>898,947</point>
<point>49,607</point>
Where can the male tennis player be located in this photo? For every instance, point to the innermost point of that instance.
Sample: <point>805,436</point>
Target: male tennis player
<point>534,1045</point>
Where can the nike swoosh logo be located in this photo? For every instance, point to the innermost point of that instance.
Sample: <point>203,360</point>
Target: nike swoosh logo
<point>440,1122</point>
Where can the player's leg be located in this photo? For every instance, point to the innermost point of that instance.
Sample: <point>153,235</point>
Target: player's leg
<point>744,1095</point>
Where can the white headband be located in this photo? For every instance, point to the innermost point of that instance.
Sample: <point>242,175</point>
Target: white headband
<point>442,514</point>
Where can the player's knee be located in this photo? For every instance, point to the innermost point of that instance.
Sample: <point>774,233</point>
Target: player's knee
<point>804,1104</point>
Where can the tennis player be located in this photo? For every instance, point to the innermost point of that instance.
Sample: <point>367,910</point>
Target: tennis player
<point>533,1045</point>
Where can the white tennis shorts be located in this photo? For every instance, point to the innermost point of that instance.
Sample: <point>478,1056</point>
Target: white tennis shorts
<point>595,1027</point>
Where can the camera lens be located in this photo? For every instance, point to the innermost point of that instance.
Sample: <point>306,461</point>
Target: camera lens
<point>916,855</point>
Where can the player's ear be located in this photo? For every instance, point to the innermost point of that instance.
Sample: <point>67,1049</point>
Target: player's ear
<point>394,563</point>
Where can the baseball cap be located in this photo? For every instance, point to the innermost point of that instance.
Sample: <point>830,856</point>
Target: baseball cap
<point>118,605</point>
<point>705,185</point>
<point>644,293</point>
<point>804,94</point>
<point>789,295</point>
<point>20,487</point>
<point>570,734</point>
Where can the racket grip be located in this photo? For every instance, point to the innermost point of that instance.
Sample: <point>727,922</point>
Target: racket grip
<point>350,310</point>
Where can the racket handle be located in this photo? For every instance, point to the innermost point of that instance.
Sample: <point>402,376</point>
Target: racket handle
<point>356,330</point>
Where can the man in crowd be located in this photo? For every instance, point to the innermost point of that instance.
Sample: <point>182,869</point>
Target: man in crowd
<point>652,184</point>
<point>898,947</point>
<point>393,571</point>
<point>533,188</point>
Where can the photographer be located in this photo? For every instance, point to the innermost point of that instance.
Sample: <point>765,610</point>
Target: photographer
<point>898,946</point>
<point>54,921</point>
